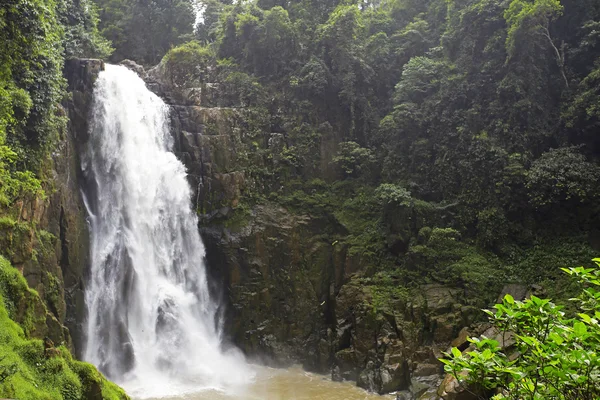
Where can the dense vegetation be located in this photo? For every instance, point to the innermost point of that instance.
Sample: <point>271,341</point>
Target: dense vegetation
<point>558,356</point>
<point>33,369</point>
<point>145,30</point>
<point>451,141</point>
<point>37,36</point>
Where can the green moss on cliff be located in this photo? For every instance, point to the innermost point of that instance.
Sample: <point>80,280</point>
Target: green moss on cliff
<point>30,369</point>
<point>22,303</point>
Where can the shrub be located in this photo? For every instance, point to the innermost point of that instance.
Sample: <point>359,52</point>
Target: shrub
<point>562,175</point>
<point>353,159</point>
<point>187,63</point>
<point>555,356</point>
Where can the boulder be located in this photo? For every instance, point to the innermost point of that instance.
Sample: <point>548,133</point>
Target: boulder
<point>451,389</point>
<point>135,67</point>
<point>516,290</point>
<point>393,377</point>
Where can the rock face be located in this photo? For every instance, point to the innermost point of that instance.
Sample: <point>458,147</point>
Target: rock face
<point>74,254</point>
<point>47,238</point>
<point>289,295</point>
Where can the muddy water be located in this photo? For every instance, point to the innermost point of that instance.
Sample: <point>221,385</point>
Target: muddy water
<point>278,384</point>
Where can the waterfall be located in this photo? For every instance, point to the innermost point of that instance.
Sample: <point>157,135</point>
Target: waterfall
<point>152,325</point>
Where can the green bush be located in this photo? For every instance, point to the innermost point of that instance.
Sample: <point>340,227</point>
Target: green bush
<point>245,89</point>
<point>562,175</point>
<point>555,355</point>
<point>354,160</point>
<point>188,63</point>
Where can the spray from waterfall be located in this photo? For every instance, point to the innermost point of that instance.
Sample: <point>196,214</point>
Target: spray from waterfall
<point>152,325</point>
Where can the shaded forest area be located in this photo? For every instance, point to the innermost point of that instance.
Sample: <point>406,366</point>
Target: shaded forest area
<point>436,141</point>
<point>448,141</point>
<point>465,132</point>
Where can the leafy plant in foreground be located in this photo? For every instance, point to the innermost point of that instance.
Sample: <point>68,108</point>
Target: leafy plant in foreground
<point>554,356</point>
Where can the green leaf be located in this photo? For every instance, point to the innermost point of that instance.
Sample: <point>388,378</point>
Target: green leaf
<point>456,352</point>
<point>580,329</point>
<point>509,299</point>
<point>586,318</point>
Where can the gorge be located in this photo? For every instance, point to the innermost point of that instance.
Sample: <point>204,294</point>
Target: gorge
<point>290,199</point>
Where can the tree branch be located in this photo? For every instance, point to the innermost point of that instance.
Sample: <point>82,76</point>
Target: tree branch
<point>560,58</point>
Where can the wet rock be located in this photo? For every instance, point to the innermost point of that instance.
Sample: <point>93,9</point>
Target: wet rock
<point>427,370</point>
<point>81,73</point>
<point>405,395</point>
<point>440,299</point>
<point>425,386</point>
<point>429,395</point>
<point>369,378</point>
<point>346,362</point>
<point>461,341</point>
<point>451,389</point>
<point>67,216</point>
<point>393,377</point>
<point>135,67</point>
<point>517,291</point>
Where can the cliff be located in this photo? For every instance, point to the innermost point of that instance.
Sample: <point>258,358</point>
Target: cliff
<point>292,292</point>
<point>45,241</point>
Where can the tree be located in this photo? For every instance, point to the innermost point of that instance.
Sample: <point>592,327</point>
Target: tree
<point>526,18</point>
<point>339,39</point>
<point>207,26</point>
<point>82,37</point>
<point>145,30</point>
<point>353,159</point>
<point>555,355</point>
<point>562,175</point>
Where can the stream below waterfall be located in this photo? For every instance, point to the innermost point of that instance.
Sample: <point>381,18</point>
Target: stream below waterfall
<point>282,384</point>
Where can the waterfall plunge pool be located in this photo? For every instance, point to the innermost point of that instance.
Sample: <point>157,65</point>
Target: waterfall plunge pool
<point>272,384</point>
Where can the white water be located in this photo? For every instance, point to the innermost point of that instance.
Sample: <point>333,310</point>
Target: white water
<point>152,325</point>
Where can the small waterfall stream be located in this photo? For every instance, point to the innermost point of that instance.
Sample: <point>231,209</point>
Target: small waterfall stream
<point>152,325</point>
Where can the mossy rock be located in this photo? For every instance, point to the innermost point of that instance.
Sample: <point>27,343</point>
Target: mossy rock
<point>34,370</point>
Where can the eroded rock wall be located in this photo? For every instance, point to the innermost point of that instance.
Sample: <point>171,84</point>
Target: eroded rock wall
<point>72,215</point>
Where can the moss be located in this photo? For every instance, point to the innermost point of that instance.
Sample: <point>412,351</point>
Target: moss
<point>16,239</point>
<point>22,303</point>
<point>7,222</point>
<point>53,296</point>
<point>440,255</point>
<point>28,370</point>
<point>385,293</point>
<point>240,218</point>
<point>46,241</point>
<point>94,384</point>
<point>541,263</point>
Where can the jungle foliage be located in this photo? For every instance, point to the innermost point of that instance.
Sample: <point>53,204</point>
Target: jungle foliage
<point>472,115</point>
<point>450,141</point>
<point>557,351</point>
<point>145,30</point>
<point>36,37</point>
<point>31,369</point>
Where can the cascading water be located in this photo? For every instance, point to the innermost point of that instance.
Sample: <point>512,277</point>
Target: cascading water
<point>152,325</point>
